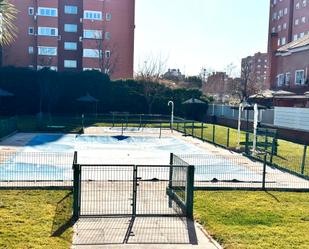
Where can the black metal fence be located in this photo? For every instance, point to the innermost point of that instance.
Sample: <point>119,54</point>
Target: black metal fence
<point>238,172</point>
<point>133,190</point>
<point>35,169</point>
<point>291,157</point>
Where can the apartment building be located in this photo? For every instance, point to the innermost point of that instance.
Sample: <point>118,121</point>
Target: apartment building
<point>255,67</point>
<point>74,35</point>
<point>288,45</point>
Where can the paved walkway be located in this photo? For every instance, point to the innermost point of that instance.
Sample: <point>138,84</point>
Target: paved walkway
<point>140,233</point>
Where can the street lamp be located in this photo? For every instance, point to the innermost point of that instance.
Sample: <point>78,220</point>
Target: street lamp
<point>172,113</point>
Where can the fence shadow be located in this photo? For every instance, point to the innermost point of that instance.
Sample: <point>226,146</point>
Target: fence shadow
<point>63,218</point>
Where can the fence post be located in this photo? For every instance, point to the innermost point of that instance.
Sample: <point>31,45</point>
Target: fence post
<point>213,133</point>
<point>190,192</point>
<point>247,143</point>
<point>202,132</point>
<point>76,187</point>
<point>228,138</point>
<point>160,129</point>
<point>192,128</point>
<point>177,126</point>
<point>134,190</point>
<point>170,182</point>
<point>304,160</point>
<point>264,171</point>
<point>273,149</point>
<point>122,127</point>
<point>184,128</point>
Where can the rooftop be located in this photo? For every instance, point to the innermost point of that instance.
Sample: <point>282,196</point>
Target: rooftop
<point>295,46</point>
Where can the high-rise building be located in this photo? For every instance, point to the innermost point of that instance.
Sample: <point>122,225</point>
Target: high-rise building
<point>255,68</point>
<point>288,45</point>
<point>74,35</point>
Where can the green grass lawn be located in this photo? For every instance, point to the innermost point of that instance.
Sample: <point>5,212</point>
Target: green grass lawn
<point>240,219</point>
<point>35,219</point>
<point>289,156</point>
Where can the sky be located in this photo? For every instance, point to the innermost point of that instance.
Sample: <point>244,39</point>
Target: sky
<point>195,34</point>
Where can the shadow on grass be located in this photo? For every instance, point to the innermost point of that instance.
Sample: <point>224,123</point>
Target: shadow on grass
<point>272,196</point>
<point>63,218</point>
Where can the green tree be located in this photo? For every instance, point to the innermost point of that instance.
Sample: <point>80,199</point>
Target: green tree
<point>8,30</point>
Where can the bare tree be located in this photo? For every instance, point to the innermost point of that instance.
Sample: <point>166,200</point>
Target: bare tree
<point>152,68</point>
<point>108,55</point>
<point>149,74</point>
<point>247,84</point>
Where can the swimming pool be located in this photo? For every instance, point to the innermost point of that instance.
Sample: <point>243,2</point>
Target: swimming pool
<point>58,149</point>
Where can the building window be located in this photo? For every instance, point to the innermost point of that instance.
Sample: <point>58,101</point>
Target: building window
<point>296,22</point>
<point>70,46</point>
<point>93,34</point>
<point>280,80</point>
<point>70,28</point>
<point>302,34</point>
<point>273,30</point>
<point>70,63</point>
<point>297,6</point>
<point>107,35</point>
<point>91,53</point>
<point>287,79</point>
<point>107,54</point>
<point>299,77</point>
<point>284,25</point>
<point>47,51</point>
<point>47,31</point>
<point>279,42</point>
<point>283,41</point>
<point>303,19</point>
<point>285,11</point>
<point>92,15</point>
<point>295,37</point>
<point>108,16</point>
<point>31,11</point>
<point>69,9</point>
<point>30,50</point>
<point>279,28</point>
<point>304,3</point>
<point>47,11</point>
<point>31,31</point>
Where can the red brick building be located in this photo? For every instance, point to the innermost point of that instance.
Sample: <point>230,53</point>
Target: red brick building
<point>288,45</point>
<point>74,35</point>
<point>216,85</point>
<point>255,67</point>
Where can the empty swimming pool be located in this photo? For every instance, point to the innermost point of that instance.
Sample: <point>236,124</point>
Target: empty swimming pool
<point>49,157</point>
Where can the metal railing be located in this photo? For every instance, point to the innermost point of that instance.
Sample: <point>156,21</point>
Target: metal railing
<point>225,137</point>
<point>132,190</point>
<point>238,172</point>
<point>35,169</point>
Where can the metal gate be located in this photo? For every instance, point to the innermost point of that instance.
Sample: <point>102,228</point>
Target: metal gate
<point>133,190</point>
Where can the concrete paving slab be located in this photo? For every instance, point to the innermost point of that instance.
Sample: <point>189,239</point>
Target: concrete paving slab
<point>140,233</point>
